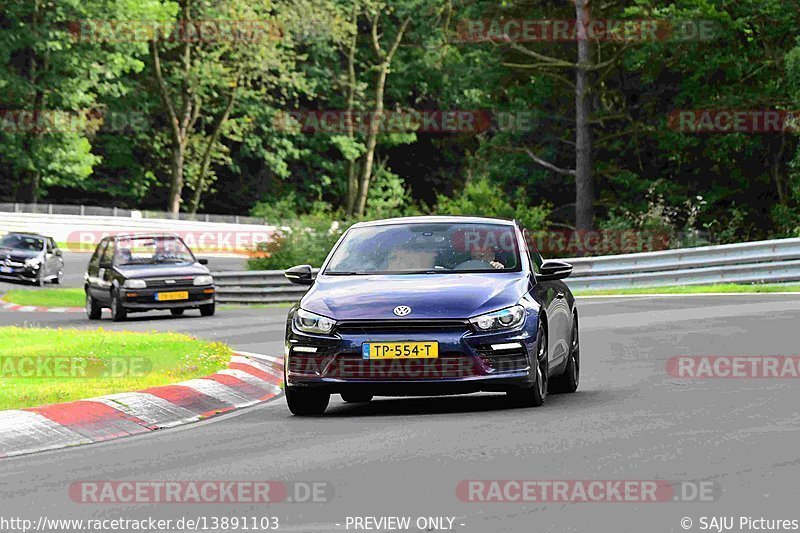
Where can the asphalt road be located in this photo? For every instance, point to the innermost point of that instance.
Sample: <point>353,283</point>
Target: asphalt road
<point>75,267</point>
<point>629,420</point>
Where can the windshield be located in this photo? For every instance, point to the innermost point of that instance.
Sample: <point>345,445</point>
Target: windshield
<point>22,242</point>
<point>439,248</point>
<point>151,251</point>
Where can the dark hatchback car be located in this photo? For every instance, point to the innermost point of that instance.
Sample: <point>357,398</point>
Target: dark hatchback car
<point>431,305</point>
<point>135,273</point>
<point>30,257</point>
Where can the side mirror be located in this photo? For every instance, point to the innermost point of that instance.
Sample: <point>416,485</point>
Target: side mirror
<point>203,261</point>
<point>59,253</point>
<point>300,274</point>
<point>552,270</point>
<point>105,264</point>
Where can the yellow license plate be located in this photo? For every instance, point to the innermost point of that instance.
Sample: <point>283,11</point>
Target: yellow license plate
<point>400,350</point>
<point>169,296</point>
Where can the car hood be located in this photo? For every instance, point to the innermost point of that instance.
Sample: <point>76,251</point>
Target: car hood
<point>18,254</point>
<point>429,296</point>
<point>161,271</point>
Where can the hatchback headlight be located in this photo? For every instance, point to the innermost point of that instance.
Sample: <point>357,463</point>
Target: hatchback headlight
<point>312,323</point>
<point>134,284</point>
<point>204,280</point>
<point>508,318</point>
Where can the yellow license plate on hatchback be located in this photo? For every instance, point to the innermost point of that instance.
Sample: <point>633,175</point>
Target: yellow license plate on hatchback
<point>171,296</point>
<point>400,350</point>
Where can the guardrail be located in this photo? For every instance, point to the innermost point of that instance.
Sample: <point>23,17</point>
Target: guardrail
<point>775,261</point>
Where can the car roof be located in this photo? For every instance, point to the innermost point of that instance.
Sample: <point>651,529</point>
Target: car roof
<point>26,234</point>
<point>142,235</point>
<point>429,219</point>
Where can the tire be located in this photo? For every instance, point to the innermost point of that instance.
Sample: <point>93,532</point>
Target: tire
<point>535,395</point>
<point>39,281</point>
<point>306,402</point>
<point>208,309</point>
<point>177,312</point>
<point>93,311</point>
<point>59,278</point>
<point>118,313</point>
<point>356,397</point>
<point>568,381</point>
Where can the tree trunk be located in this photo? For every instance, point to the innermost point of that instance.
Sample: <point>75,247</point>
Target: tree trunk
<point>352,178</point>
<point>372,141</point>
<point>178,156</point>
<point>584,186</point>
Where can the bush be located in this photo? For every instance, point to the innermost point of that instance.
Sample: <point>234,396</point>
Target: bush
<point>305,241</point>
<point>483,198</point>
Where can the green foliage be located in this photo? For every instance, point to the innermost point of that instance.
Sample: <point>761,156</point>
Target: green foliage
<point>306,241</point>
<point>483,198</point>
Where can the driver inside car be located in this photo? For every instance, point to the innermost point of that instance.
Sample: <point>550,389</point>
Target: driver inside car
<point>481,256</point>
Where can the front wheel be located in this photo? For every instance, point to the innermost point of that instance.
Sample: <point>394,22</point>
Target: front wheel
<point>118,313</point>
<point>306,402</point>
<point>39,281</point>
<point>59,278</point>
<point>93,311</point>
<point>535,395</point>
<point>207,309</point>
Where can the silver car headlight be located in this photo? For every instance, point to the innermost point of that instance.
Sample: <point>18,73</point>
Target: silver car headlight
<point>203,280</point>
<point>134,284</point>
<point>508,318</point>
<point>309,322</point>
<point>33,262</point>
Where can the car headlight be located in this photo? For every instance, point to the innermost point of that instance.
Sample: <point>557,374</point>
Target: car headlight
<point>510,317</point>
<point>134,284</point>
<point>33,262</point>
<point>204,280</point>
<point>312,323</point>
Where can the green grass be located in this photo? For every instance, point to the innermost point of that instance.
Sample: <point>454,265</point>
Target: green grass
<point>46,297</point>
<point>96,362</point>
<point>695,289</point>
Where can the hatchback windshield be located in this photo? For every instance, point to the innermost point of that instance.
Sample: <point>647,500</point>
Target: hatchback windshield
<point>151,250</point>
<point>426,248</point>
<point>22,242</point>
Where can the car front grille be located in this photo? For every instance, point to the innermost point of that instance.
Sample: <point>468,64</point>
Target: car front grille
<point>170,283</point>
<point>504,360</point>
<point>357,327</point>
<point>446,366</point>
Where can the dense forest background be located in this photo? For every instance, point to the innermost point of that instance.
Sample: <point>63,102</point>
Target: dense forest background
<point>158,117</point>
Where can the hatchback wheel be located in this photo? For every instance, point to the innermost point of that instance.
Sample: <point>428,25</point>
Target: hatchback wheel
<point>207,309</point>
<point>306,402</point>
<point>93,311</point>
<point>118,313</point>
<point>534,396</point>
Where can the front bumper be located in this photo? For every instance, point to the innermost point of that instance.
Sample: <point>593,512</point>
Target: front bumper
<point>144,299</point>
<point>467,362</point>
<point>19,272</point>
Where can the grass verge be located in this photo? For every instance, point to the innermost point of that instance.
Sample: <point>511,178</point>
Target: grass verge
<point>695,289</point>
<point>43,366</point>
<point>46,297</point>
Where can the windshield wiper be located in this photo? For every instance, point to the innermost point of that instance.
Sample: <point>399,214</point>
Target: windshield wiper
<point>345,273</point>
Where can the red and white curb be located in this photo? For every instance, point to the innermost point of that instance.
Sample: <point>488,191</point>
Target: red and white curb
<point>247,381</point>
<point>6,306</point>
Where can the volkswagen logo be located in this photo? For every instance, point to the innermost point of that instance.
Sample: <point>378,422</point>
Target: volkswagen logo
<point>402,310</point>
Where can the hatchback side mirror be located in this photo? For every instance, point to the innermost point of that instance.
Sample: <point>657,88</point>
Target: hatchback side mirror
<point>203,261</point>
<point>301,274</point>
<point>553,270</point>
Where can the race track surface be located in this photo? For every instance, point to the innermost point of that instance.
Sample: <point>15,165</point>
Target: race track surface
<point>630,420</point>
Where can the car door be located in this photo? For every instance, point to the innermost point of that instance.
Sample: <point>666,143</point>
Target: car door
<point>105,273</point>
<point>93,280</point>
<point>58,258</point>
<point>50,259</point>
